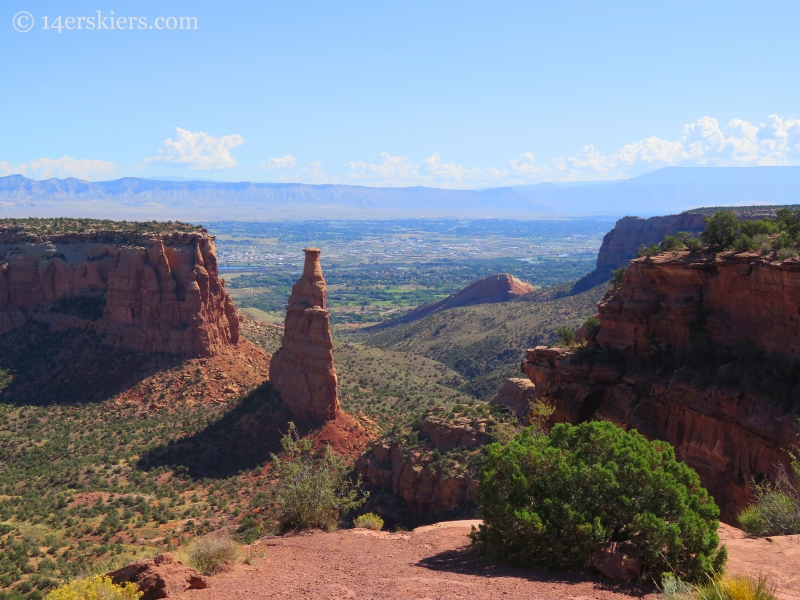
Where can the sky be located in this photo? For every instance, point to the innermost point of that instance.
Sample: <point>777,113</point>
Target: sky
<point>444,94</point>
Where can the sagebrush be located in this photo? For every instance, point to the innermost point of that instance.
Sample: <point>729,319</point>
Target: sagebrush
<point>211,553</point>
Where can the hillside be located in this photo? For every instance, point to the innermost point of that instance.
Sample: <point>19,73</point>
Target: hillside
<point>485,343</point>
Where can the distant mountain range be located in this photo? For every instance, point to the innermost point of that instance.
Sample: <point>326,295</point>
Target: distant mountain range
<point>668,190</point>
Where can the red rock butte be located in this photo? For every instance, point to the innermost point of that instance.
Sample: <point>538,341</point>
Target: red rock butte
<point>143,293</point>
<point>303,370</point>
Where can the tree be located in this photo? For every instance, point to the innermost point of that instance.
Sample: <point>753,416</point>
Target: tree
<point>549,501</point>
<point>721,230</point>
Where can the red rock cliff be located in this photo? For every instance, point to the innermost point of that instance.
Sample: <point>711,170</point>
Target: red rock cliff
<point>727,434</point>
<point>730,295</point>
<point>142,293</point>
<point>303,369</point>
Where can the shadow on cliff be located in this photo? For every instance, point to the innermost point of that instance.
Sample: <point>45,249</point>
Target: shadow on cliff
<point>240,440</point>
<point>463,562</point>
<point>39,366</point>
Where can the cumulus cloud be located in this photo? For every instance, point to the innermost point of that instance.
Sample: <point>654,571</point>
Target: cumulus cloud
<point>198,151</point>
<point>702,143</point>
<point>45,168</point>
<point>279,163</point>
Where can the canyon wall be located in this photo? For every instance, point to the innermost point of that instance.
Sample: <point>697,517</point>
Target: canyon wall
<point>728,433</point>
<point>728,295</point>
<point>144,293</point>
<point>303,369</point>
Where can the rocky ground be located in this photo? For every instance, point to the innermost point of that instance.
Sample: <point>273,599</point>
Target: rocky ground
<point>432,563</point>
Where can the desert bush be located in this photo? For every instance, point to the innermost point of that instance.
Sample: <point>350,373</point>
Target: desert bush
<point>742,587</point>
<point>744,243</point>
<point>674,588</point>
<point>549,501</point>
<point>785,253</point>
<point>721,230</point>
<point>648,251</point>
<point>693,244</point>
<point>312,492</point>
<point>591,322</point>
<point>566,335</point>
<point>617,275</point>
<point>211,553</point>
<point>777,507</point>
<point>95,588</point>
<point>368,521</point>
<point>671,242</point>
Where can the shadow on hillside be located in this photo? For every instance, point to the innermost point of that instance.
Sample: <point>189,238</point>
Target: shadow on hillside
<point>39,366</point>
<point>462,561</point>
<point>240,440</point>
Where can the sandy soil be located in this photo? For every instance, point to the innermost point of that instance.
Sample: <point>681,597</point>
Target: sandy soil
<point>428,563</point>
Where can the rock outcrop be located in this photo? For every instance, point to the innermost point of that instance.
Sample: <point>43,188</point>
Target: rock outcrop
<point>517,394</point>
<point>495,288</point>
<point>409,473</point>
<point>160,577</point>
<point>621,243</point>
<point>303,369</point>
<point>729,295</point>
<point>143,293</point>
<point>730,434</point>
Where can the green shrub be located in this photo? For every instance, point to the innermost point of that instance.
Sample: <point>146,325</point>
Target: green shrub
<point>591,322</point>
<point>617,276</point>
<point>368,521</point>
<point>693,244</point>
<point>785,253</point>
<point>674,588</point>
<point>777,507</point>
<point>548,501</point>
<point>721,230</point>
<point>744,243</point>
<point>211,553</point>
<point>312,493</point>
<point>647,251</point>
<point>670,242</point>
<point>96,588</point>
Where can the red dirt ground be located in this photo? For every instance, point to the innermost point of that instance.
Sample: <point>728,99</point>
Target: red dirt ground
<point>431,563</point>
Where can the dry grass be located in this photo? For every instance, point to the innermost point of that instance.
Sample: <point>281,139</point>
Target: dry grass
<point>211,553</point>
<point>368,521</point>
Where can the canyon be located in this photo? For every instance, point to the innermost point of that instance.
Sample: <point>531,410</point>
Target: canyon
<point>733,436</point>
<point>141,292</point>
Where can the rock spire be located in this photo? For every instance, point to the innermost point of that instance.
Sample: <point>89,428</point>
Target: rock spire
<point>303,370</point>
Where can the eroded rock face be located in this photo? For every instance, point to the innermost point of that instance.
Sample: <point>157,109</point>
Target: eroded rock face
<point>142,293</point>
<point>517,393</point>
<point>495,288</point>
<point>160,577</point>
<point>729,295</point>
<point>303,369</point>
<point>406,472</point>
<point>727,435</point>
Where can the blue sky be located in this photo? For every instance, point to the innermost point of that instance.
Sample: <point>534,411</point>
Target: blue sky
<point>448,94</point>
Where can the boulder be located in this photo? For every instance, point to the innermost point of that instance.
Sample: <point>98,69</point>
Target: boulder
<point>517,393</point>
<point>160,577</point>
<point>617,561</point>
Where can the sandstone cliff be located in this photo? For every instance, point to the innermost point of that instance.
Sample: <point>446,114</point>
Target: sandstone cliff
<point>729,295</point>
<point>729,432</point>
<point>621,243</point>
<point>144,293</point>
<point>303,369</point>
<point>495,288</point>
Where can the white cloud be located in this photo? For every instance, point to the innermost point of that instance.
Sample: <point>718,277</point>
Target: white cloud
<point>279,163</point>
<point>198,150</point>
<point>702,143</point>
<point>45,168</point>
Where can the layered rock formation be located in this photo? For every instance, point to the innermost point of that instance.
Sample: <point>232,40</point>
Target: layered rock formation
<point>728,295</point>
<point>408,472</point>
<point>729,435</point>
<point>160,577</point>
<point>495,288</point>
<point>303,369</point>
<point>144,293</point>
<point>621,243</point>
